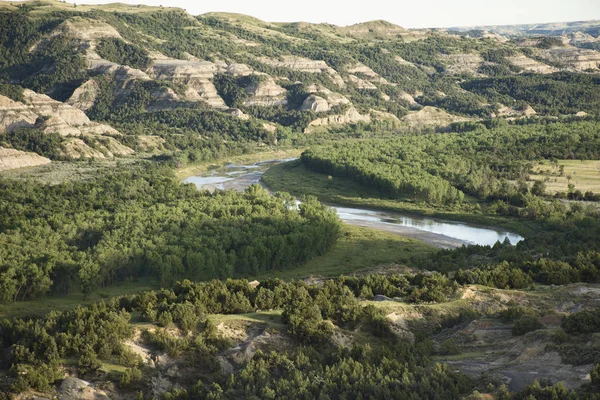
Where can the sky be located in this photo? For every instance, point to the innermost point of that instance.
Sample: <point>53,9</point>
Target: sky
<point>409,14</point>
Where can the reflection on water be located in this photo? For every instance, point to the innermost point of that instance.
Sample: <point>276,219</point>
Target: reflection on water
<point>239,177</point>
<point>457,230</point>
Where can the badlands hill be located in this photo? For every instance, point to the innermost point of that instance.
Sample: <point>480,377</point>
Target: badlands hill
<point>114,80</point>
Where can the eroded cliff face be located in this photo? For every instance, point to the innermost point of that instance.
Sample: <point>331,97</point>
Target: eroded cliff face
<point>265,93</point>
<point>333,85</point>
<point>15,115</point>
<point>316,104</point>
<point>305,65</point>
<point>573,58</point>
<point>458,64</point>
<point>47,115</point>
<point>530,65</point>
<point>14,159</point>
<point>196,75</point>
<point>333,98</point>
<point>51,116</point>
<point>430,117</point>
<point>351,116</point>
<point>84,97</point>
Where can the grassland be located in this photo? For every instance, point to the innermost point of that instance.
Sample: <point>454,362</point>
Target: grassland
<point>585,175</point>
<point>358,249</point>
<point>271,318</point>
<point>295,178</point>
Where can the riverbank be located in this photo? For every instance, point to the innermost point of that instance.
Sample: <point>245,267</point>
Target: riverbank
<point>294,178</point>
<point>199,168</point>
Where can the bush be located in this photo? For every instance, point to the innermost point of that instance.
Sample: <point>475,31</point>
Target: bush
<point>582,322</point>
<point>88,362</point>
<point>595,375</point>
<point>119,52</point>
<point>130,377</point>
<point>526,324</point>
<point>449,347</point>
<point>512,314</point>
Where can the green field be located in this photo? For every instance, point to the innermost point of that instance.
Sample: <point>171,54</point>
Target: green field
<point>585,175</point>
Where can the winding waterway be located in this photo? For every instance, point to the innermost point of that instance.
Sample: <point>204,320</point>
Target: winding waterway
<point>438,232</point>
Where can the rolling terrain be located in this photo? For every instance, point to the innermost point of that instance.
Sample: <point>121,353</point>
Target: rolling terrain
<point>121,280</point>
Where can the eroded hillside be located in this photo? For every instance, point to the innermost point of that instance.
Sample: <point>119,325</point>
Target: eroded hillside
<point>114,80</point>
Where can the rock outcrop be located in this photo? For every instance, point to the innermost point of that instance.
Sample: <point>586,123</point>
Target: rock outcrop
<point>573,58</point>
<point>55,124</point>
<point>430,116</point>
<point>315,103</point>
<point>50,116</point>
<point>110,146</point>
<point>458,64</point>
<point>236,112</point>
<point>15,115</point>
<point>85,95</point>
<point>402,61</point>
<point>196,75</point>
<point>237,69</point>
<point>349,117</point>
<point>511,112</point>
<point>361,83</point>
<point>46,106</point>
<point>13,159</point>
<point>77,389</point>
<point>305,65</point>
<point>367,72</point>
<point>408,98</point>
<point>77,149</point>
<point>88,29</point>
<point>531,65</point>
<point>164,98</point>
<point>266,93</point>
<point>333,98</point>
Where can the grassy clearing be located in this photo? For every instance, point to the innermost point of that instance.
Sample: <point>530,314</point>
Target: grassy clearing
<point>271,318</point>
<point>585,175</point>
<point>295,178</point>
<point>358,249</point>
<point>45,305</point>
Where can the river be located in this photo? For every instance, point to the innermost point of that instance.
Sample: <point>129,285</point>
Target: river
<point>438,232</point>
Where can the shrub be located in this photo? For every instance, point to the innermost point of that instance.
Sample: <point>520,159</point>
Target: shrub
<point>526,324</point>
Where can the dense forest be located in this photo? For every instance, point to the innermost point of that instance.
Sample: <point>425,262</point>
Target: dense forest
<point>143,223</point>
<point>490,164</point>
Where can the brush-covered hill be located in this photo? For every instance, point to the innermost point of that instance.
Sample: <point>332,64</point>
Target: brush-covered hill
<point>112,80</point>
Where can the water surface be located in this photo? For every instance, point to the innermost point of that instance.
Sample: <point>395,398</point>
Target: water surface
<point>439,232</point>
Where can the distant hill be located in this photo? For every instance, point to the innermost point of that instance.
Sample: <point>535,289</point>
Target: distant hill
<point>161,80</point>
<point>549,29</point>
